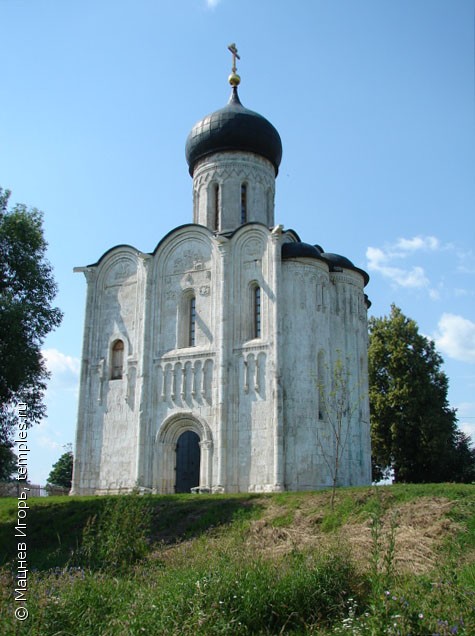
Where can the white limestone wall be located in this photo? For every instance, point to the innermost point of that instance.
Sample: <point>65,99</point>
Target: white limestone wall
<point>228,171</point>
<point>254,402</point>
<point>305,306</point>
<point>250,396</point>
<point>222,387</point>
<point>324,321</point>
<point>86,458</point>
<point>108,419</point>
<point>349,337</point>
<point>181,385</point>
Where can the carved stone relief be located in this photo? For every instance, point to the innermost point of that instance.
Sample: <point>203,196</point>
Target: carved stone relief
<point>254,370</point>
<point>122,272</point>
<point>253,249</point>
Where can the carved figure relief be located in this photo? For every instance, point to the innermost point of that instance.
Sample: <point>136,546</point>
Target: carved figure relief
<point>123,271</point>
<point>253,377</point>
<point>253,249</point>
<point>189,260</point>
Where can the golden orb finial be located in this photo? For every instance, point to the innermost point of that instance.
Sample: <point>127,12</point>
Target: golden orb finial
<point>234,78</point>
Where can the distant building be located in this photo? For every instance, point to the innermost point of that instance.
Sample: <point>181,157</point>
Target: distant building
<point>207,363</point>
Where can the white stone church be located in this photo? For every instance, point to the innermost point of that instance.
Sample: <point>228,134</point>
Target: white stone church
<point>208,365</point>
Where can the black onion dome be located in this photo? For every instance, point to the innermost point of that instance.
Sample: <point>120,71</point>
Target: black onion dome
<point>341,262</point>
<point>334,261</point>
<point>338,261</point>
<point>233,127</point>
<point>297,250</point>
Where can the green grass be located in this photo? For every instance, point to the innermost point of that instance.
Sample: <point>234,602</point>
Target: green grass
<point>284,520</point>
<point>55,524</point>
<point>185,564</point>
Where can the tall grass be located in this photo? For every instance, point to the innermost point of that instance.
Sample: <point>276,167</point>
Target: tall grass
<point>124,579</point>
<point>116,538</point>
<point>227,597</point>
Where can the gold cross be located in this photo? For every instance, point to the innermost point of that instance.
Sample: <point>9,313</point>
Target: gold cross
<point>233,49</point>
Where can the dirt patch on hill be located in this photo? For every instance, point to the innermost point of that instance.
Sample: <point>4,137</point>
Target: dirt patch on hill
<point>418,526</point>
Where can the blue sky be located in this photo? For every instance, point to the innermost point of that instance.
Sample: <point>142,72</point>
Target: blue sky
<point>374,101</point>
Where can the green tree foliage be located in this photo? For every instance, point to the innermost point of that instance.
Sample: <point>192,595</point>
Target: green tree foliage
<point>413,429</point>
<point>62,472</point>
<point>463,459</point>
<point>27,289</point>
<point>8,459</point>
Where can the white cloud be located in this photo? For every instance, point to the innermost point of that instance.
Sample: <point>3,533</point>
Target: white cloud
<point>466,419</point>
<point>466,409</point>
<point>466,261</point>
<point>463,293</point>
<point>455,336</point>
<point>468,429</point>
<point>426,243</point>
<point>64,369</point>
<point>379,261</point>
<point>384,260</point>
<point>58,362</point>
<point>212,4</point>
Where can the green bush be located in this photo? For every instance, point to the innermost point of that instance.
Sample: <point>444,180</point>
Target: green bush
<point>117,537</point>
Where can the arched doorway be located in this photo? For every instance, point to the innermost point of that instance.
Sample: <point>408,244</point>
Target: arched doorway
<point>170,460</point>
<point>187,462</point>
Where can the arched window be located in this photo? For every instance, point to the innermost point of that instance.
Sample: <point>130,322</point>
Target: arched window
<point>216,207</point>
<point>256,311</point>
<point>117,360</point>
<point>243,203</point>
<point>192,322</point>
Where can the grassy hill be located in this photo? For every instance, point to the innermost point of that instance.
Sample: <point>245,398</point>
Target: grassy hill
<point>386,560</point>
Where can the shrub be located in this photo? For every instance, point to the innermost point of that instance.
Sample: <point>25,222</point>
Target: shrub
<point>116,537</point>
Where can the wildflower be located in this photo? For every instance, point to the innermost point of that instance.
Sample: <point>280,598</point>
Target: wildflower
<point>421,615</point>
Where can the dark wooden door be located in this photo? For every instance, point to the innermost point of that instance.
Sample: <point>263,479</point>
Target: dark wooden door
<point>187,462</point>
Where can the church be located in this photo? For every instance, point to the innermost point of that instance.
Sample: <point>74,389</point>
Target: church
<point>214,363</point>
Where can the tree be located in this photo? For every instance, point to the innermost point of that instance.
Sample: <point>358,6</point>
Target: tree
<point>8,459</point>
<point>27,289</point>
<point>413,429</point>
<point>463,459</point>
<point>62,472</point>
